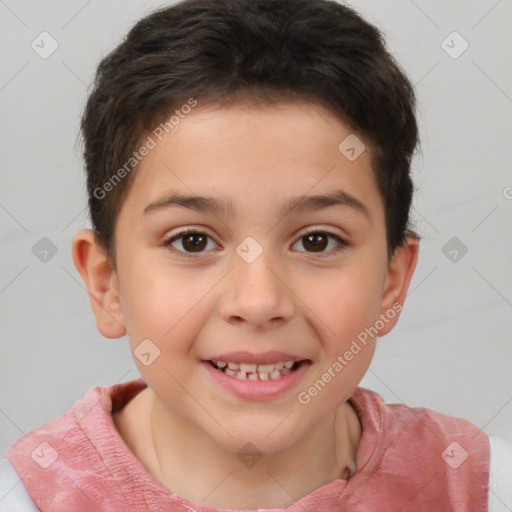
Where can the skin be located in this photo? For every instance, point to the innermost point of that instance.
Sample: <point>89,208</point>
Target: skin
<point>185,430</point>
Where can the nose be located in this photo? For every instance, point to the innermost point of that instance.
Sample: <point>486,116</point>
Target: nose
<point>256,294</point>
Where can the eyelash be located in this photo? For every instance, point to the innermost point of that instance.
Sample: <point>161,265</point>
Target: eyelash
<point>168,243</point>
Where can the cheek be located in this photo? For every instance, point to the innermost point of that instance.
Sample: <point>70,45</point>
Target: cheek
<point>146,304</point>
<point>163,306</point>
<point>345,301</point>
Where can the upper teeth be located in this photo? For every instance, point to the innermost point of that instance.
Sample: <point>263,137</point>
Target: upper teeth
<point>253,367</point>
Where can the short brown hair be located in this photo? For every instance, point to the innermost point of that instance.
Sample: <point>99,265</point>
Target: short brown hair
<point>226,51</point>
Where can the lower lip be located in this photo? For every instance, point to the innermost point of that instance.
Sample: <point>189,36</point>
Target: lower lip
<point>257,389</point>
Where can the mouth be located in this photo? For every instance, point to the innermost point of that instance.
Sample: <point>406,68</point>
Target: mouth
<point>258,372</point>
<point>259,379</point>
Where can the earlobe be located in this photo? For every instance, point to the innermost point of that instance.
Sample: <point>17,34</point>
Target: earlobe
<point>398,278</point>
<point>101,281</point>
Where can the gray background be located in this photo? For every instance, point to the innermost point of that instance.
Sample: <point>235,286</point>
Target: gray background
<point>451,350</point>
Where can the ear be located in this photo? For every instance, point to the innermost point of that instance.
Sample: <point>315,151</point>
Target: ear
<point>397,281</point>
<point>102,283</point>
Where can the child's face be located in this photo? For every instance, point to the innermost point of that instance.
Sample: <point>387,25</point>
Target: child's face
<point>298,296</point>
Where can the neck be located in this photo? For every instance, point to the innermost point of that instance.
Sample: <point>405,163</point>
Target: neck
<point>189,463</point>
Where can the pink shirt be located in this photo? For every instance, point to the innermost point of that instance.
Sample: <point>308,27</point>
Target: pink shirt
<point>408,459</point>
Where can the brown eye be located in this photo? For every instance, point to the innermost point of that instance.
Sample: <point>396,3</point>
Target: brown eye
<point>187,243</point>
<point>316,242</point>
<point>194,243</point>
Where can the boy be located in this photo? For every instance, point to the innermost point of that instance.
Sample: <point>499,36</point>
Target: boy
<point>248,170</point>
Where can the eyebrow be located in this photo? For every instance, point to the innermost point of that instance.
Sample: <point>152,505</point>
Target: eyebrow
<point>224,206</point>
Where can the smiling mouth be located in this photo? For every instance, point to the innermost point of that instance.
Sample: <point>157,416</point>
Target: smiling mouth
<point>271,371</point>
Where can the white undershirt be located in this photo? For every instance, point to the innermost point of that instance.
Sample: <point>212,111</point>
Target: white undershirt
<point>500,474</point>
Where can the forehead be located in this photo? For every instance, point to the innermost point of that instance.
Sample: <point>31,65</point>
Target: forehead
<point>255,155</point>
